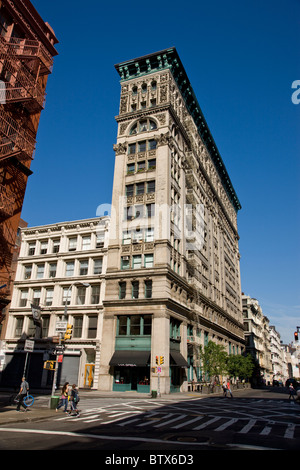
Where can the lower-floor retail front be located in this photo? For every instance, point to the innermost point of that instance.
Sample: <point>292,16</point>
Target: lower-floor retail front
<point>132,371</point>
<point>43,366</point>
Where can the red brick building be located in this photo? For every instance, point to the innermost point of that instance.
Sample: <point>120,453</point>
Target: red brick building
<point>26,60</point>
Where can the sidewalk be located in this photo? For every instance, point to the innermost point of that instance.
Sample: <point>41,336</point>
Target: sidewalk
<point>41,408</point>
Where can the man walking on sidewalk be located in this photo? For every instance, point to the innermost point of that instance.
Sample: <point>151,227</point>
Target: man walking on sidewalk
<point>22,394</point>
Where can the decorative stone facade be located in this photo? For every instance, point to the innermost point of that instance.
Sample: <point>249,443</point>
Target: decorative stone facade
<point>173,229</point>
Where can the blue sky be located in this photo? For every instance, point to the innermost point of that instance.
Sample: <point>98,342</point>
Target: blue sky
<point>241,59</point>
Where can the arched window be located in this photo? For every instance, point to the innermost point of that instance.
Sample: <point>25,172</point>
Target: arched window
<point>143,125</point>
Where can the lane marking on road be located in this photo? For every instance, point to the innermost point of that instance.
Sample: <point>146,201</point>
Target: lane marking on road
<point>100,437</point>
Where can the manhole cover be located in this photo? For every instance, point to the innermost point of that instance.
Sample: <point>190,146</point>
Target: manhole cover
<point>187,439</point>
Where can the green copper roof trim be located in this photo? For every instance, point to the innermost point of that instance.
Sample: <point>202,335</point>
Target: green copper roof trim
<point>169,59</point>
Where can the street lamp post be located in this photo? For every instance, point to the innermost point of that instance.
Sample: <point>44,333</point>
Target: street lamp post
<point>61,348</point>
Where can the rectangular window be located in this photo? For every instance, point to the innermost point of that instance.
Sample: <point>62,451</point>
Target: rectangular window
<point>125,262</point>
<point>45,326</point>
<point>52,269</point>
<point>126,238</point>
<point>66,296</point>
<point>36,297</point>
<point>98,266</point>
<point>70,268</point>
<point>56,245</point>
<point>151,186</point>
<point>130,168</point>
<point>148,260</point>
<point>81,291</point>
<point>72,243</point>
<point>99,240</point>
<point>129,190</point>
<point>44,247</point>
<point>137,235</point>
<point>40,271</point>
<point>140,188</point>
<point>23,298</point>
<point>148,289</point>
<point>49,297</point>
<point>31,249</point>
<point>135,289</point>
<point>128,212</point>
<point>95,297</point>
<point>135,325</point>
<point>147,324</point>
<point>150,210</point>
<point>83,267</point>
<point>27,271</point>
<point>122,321</point>
<point>86,243</point>
<point>92,328</point>
<point>136,261</point>
<point>141,166</point>
<point>152,164</point>
<point>149,237</point>
<point>77,327</point>
<point>19,326</point>
<point>142,146</point>
<point>152,144</point>
<point>131,149</point>
<point>122,290</point>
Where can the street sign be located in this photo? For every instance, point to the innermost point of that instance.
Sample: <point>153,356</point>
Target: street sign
<point>61,326</point>
<point>158,370</point>
<point>60,358</point>
<point>29,345</point>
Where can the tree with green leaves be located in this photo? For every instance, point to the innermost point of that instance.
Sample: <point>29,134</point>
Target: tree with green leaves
<point>240,366</point>
<point>213,358</point>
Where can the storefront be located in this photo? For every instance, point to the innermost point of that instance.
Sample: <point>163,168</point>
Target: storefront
<point>131,370</point>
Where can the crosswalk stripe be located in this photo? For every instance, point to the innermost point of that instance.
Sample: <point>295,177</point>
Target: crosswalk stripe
<point>289,433</point>
<point>248,426</point>
<point>226,425</point>
<point>187,423</point>
<point>206,424</point>
<point>165,423</point>
<point>266,431</point>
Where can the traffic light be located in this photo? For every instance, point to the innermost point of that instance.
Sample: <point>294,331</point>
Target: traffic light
<point>69,331</point>
<point>296,335</point>
<point>161,360</point>
<point>156,359</point>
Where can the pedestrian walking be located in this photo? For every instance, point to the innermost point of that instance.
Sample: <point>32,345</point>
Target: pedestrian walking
<point>292,392</point>
<point>229,387</point>
<point>74,400</point>
<point>224,389</point>
<point>24,387</point>
<point>64,397</point>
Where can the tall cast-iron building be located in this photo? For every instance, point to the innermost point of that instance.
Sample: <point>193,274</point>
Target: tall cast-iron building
<point>26,60</point>
<point>173,276</point>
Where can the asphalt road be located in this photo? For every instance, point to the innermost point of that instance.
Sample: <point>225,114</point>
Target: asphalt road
<point>122,428</point>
